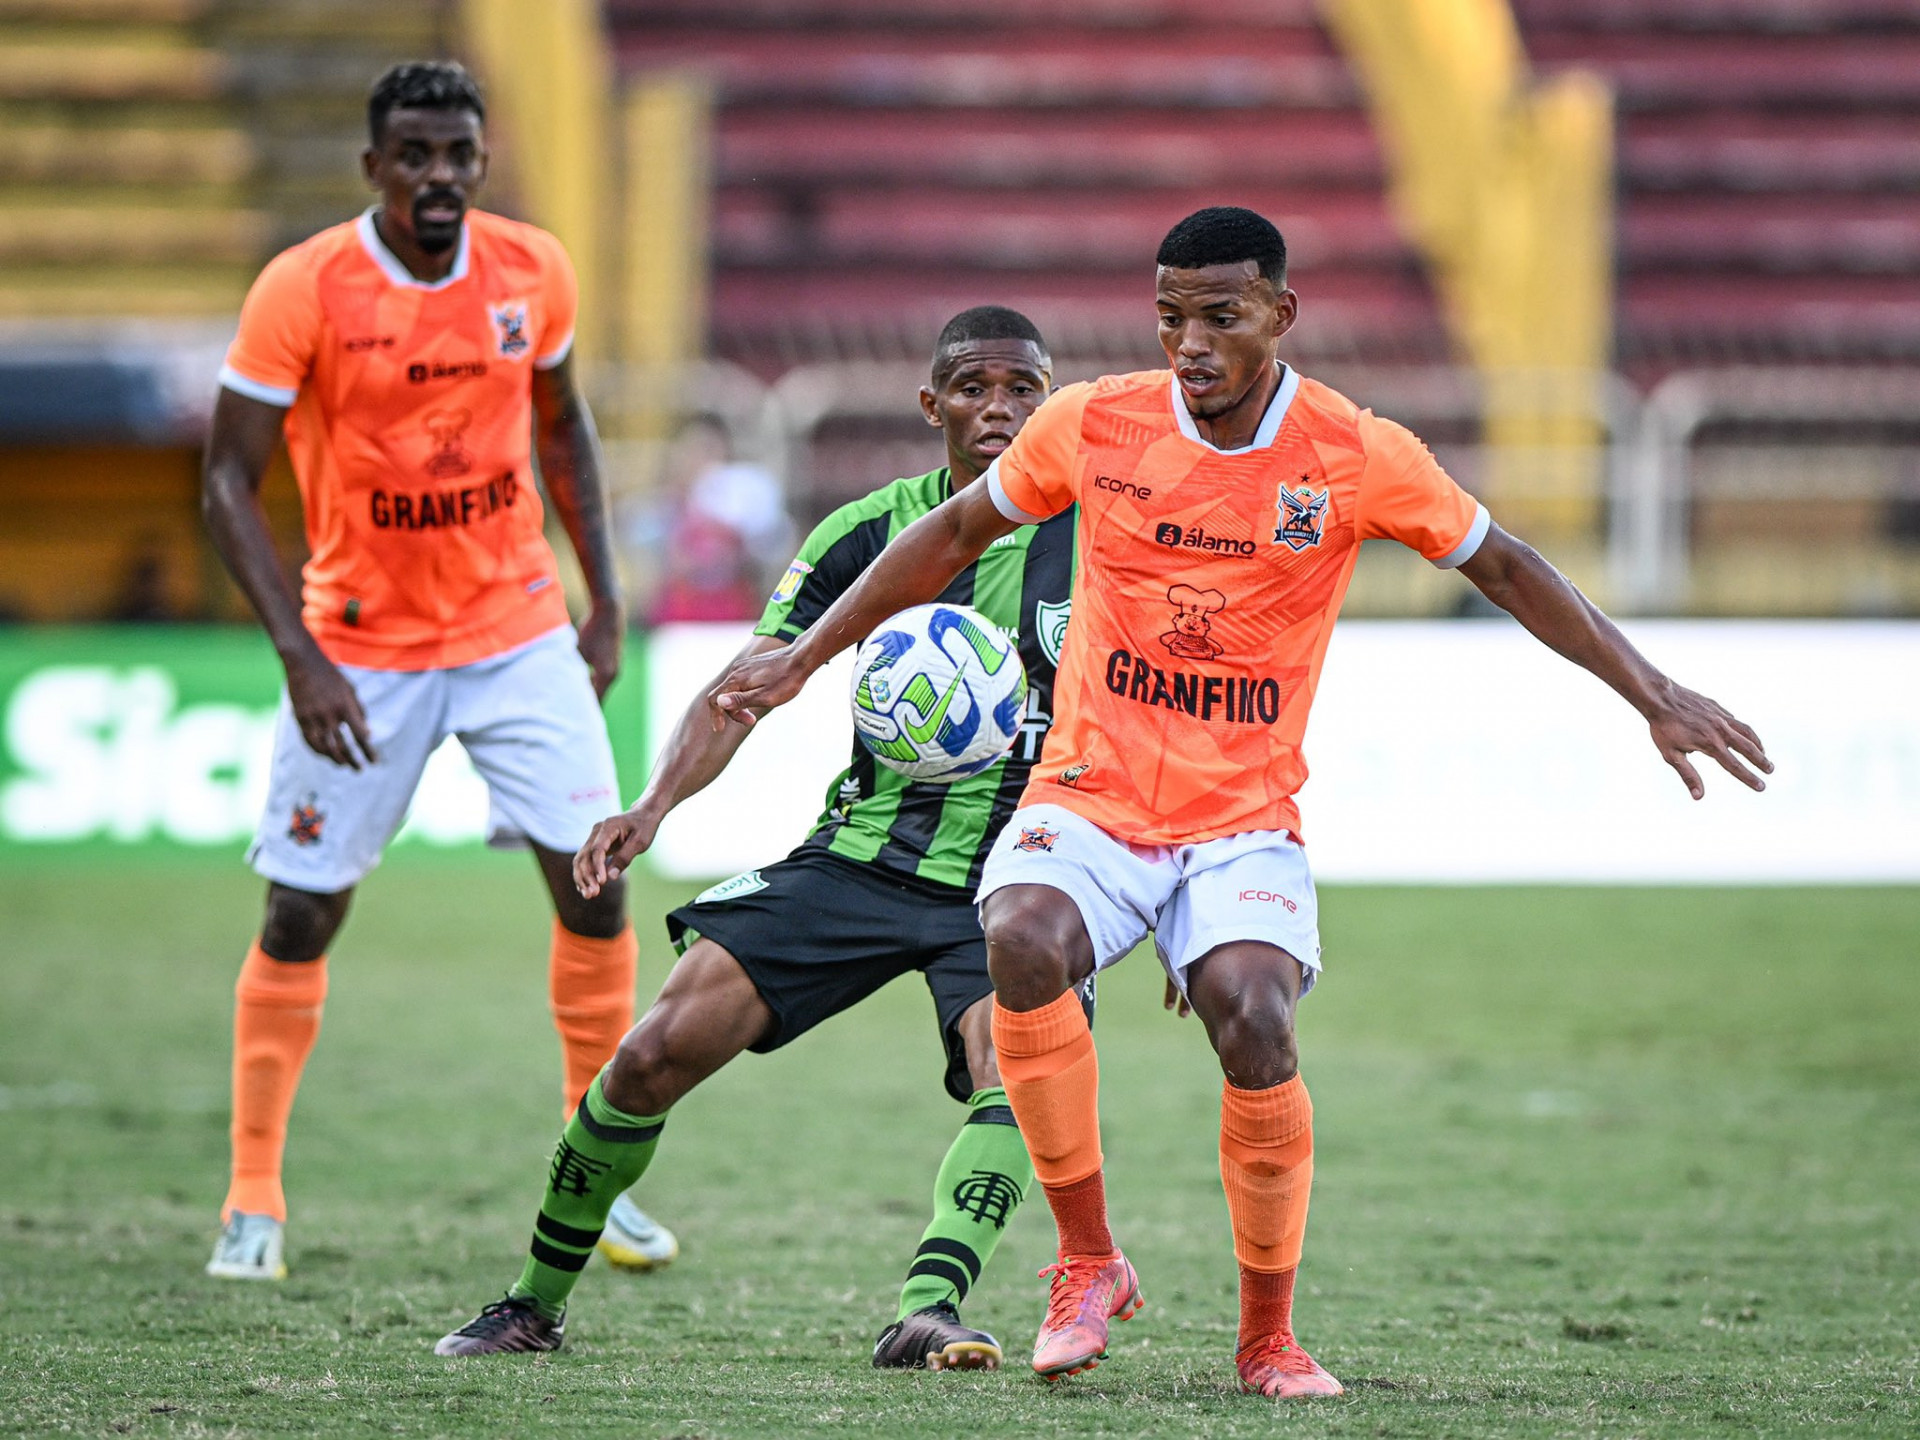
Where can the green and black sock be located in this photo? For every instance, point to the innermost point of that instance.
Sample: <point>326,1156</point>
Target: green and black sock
<point>981,1183</point>
<point>602,1151</point>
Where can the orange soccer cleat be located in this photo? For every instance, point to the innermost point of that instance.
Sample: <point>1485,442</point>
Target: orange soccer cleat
<point>1088,1291</point>
<point>1277,1366</point>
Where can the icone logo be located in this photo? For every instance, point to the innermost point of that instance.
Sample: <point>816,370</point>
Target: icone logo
<point>1123,487</point>
<point>1270,897</point>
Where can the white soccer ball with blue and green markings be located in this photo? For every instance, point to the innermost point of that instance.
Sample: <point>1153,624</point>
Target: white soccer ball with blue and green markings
<point>938,693</point>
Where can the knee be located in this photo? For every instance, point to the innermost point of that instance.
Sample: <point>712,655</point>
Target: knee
<point>645,1078</point>
<point>1037,947</point>
<point>301,924</point>
<point>1254,1036</point>
<point>601,918</point>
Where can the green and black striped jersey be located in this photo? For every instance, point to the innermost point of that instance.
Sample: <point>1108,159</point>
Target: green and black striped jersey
<point>938,833</point>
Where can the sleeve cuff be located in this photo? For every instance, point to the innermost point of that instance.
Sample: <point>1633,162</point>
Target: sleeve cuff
<point>280,395</point>
<point>1467,548</point>
<point>1004,502</point>
<point>554,356</point>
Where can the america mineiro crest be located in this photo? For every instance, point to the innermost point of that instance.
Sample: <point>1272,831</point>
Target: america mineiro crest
<point>1303,516</point>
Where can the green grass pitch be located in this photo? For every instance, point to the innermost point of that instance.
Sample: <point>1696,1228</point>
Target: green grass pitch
<point>1589,1163</point>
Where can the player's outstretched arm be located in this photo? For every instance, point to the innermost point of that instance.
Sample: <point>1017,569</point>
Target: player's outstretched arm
<point>569,450</point>
<point>1514,576</point>
<point>920,563</point>
<point>696,753</point>
<point>241,442</point>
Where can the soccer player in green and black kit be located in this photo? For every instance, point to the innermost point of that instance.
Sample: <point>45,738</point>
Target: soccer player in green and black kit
<point>882,886</point>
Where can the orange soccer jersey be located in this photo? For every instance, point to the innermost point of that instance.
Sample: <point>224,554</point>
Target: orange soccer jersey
<point>410,430</point>
<point>1206,590</point>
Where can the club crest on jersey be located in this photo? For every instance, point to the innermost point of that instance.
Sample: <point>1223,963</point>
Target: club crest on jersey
<point>510,328</point>
<point>308,821</point>
<point>1303,516</point>
<point>1039,839</point>
<point>1192,635</point>
<point>1051,621</point>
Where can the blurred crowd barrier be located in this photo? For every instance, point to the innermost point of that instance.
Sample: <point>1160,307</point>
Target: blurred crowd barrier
<point>1766,491</point>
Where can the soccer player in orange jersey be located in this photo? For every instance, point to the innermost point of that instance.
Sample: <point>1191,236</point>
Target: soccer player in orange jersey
<point>1222,505</point>
<point>414,358</point>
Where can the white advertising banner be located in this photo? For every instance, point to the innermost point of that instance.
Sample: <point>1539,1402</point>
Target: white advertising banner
<point>1465,751</point>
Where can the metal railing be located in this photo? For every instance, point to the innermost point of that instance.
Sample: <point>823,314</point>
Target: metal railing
<point>1816,422</point>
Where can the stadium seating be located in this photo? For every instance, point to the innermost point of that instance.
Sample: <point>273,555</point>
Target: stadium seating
<point>1032,153</point>
<point>881,163</point>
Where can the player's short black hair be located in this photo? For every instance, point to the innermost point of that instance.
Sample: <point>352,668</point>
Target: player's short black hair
<point>985,322</point>
<point>1226,235</point>
<point>422,85</point>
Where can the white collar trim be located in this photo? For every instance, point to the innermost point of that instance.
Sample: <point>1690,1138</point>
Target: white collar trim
<point>1269,423</point>
<point>391,267</point>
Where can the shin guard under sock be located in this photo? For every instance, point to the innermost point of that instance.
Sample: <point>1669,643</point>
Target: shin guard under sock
<point>1052,1076</point>
<point>981,1183</point>
<point>1266,1165</point>
<point>276,1018</point>
<point>602,1151</point>
<point>590,986</point>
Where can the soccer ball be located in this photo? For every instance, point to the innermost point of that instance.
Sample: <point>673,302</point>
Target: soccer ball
<point>938,692</point>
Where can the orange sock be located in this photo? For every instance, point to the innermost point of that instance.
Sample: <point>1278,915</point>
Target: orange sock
<point>276,1018</point>
<point>590,984</point>
<point>1266,1164</point>
<point>1052,1075</point>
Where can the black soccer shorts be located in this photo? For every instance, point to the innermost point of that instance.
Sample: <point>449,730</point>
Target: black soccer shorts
<point>818,934</point>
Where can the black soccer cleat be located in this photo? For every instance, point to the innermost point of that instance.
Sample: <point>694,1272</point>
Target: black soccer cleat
<point>507,1326</point>
<point>934,1339</point>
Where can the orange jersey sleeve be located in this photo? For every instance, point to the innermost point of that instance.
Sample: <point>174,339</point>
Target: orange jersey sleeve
<point>560,303</point>
<point>1033,480</point>
<point>1406,496</point>
<point>280,326</point>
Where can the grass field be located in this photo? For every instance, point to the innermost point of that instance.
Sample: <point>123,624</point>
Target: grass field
<point>1589,1162</point>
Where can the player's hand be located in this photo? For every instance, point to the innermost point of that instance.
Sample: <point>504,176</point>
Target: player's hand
<point>1686,722</point>
<point>614,844</point>
<point>755,685</point>
<point>328,711</point>
<point>1177,1002</point>
<point>602,635</point>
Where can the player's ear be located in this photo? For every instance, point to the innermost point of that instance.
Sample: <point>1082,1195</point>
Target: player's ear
<point>930,407</point>
<point>370,166</point>
<point>1286,310</point>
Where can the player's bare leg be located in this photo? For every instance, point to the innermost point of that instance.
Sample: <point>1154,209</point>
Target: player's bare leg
<point>277,1004</point>
<point>1245,993</point>
<point>706,1013</point>
<point>979,1185</point>
<point>1038,951</point>
<point>590,975</point>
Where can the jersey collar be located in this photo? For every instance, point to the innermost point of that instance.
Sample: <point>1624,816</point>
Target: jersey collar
<point>397,273</point>
<point>1269,423</point>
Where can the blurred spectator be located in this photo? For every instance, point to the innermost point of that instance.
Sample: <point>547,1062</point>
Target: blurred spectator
<point>143,596</point>
<point>716,533</point>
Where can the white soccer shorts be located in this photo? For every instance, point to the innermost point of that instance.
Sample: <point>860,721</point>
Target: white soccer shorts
<point>528,719</point>
<point>1192,898</point>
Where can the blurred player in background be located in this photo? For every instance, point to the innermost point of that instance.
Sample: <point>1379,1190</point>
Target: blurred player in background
<point>413,359</point>
<point>1222,505</point>
<point>883,886</point>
